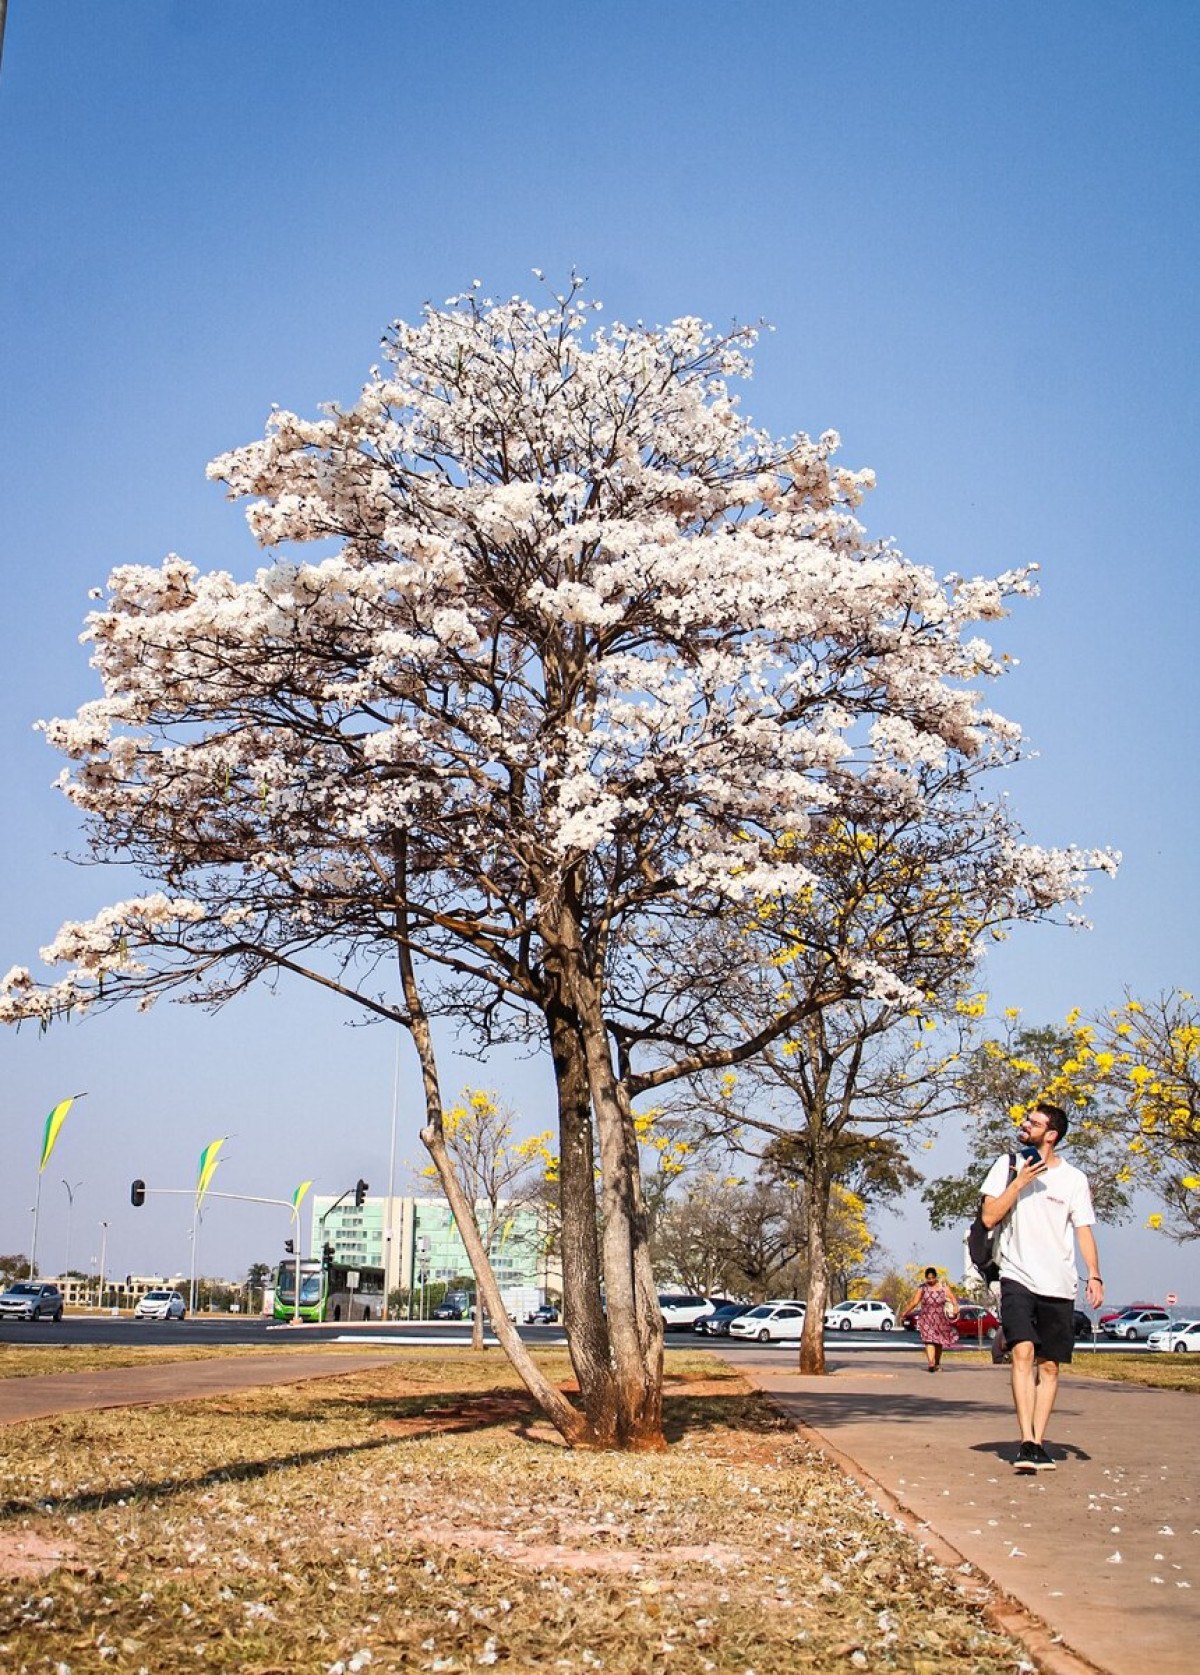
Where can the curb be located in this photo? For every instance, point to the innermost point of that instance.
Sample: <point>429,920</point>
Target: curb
<point>1045,1646</point>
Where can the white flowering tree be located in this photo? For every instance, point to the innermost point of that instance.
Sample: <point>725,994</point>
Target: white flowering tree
<point>576,645</point>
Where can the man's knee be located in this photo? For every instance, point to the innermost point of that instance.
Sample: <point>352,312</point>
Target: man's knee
<point>1022,1353</point>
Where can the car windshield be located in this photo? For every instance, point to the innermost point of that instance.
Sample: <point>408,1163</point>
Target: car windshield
<point>761,1312</point>
<point>158,1296</point>
<point>24,1290</point>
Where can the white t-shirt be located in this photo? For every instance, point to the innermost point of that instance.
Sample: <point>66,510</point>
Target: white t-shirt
<point>1037,1241</point>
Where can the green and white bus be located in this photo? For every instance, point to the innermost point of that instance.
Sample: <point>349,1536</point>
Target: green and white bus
<point>328,1290</point>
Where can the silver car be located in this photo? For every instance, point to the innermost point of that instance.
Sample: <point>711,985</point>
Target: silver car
<point>160,1305</point>
<point>31,1300</point>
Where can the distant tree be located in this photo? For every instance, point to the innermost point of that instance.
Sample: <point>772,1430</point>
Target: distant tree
<point>258,1277</point>
<point>1147,1053</point>
<point>729,1237</point>
<point>1000,1079</point>
<point>13,1267</point>
<point>587,649</point>
<point>499,1174</point>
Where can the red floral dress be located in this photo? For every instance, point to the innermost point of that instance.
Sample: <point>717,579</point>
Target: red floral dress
<point>931,1317</point>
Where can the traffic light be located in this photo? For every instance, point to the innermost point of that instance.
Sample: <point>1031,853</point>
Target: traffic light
<point>328,1252</point>
<point>289,1246</point>
<point>137,1194</point>
<point>360,1192</point>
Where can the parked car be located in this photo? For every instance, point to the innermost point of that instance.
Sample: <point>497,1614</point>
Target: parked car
<point>161,1305</point>
<point>1180,1336</point>
<point>770,1322</point>
<point>976,1322</point>
<point>547,1315</point>
<point>31,1300</point>
<point>1111,1314</point>
<point>447,1311</point>
<point>715,1324</point>
<point>867,1314</point>
<point>1083,1324</point>
<point>680,1308</point>
<point>1133,1324</point>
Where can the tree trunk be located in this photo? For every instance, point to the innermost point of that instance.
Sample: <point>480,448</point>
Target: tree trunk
<point>567,1420</point>
<point>583,1313</point>
<point>634,1320</point>
<point>817,1188</point>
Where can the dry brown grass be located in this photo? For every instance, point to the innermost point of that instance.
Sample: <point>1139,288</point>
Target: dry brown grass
<point>37,1360</point>
<point>421,1517</point>
<point>1159,1371</point>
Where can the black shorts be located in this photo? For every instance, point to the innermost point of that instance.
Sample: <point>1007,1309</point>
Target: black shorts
<point>1046,1322</point>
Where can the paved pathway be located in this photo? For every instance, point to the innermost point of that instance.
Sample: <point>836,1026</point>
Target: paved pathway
<point>42,1395</point>
<point>1105,1550</point>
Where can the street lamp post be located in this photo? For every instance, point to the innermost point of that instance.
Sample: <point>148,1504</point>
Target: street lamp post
<point>103,1258</point>
<point>71,1191</point>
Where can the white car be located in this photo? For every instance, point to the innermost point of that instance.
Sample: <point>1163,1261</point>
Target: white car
<point>1180,1336</point>
<point>682,1308</point>
<point>160,1305</point>
<point>770,1322</point>
<point>868,1314</point>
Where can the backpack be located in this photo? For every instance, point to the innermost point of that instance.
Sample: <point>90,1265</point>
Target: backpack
<point>981,1240</point>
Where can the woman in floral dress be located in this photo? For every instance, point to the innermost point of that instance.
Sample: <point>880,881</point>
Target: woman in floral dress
<point>937,1327</point>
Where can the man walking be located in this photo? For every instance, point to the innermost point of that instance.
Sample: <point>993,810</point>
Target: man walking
<point>1046,1210</point>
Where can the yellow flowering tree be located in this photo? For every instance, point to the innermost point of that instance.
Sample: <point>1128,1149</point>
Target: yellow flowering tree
<point>1004,1074</point>
<point>499,1174</point>
<point>1147,1055</point>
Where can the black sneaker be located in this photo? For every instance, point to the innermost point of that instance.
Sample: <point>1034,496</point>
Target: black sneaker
<point>1027,1457</point>
<point>1041,1460</point>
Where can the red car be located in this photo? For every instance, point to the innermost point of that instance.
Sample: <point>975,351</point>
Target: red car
<point>973,1322</point>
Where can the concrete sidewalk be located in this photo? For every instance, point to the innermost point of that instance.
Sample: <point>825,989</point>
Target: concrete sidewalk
<point>42,1396</point>
<point>1105,1550</point>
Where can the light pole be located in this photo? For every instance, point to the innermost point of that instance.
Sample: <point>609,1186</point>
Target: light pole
<point>103,1258</point>
<point>71,1191</point>
<point>391,1188</point>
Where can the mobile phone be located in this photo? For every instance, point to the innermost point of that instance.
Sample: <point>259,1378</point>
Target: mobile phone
<point>1031,1154</point>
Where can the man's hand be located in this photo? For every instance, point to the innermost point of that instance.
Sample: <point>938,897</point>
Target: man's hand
<point>1028,1172</point>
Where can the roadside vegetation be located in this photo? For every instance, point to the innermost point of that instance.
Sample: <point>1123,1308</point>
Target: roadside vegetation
<point>1158,1372</point>
<point>41,1360</point>
<point>425,1517</point>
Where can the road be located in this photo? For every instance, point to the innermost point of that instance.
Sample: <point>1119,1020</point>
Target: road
<point>263,1333</point>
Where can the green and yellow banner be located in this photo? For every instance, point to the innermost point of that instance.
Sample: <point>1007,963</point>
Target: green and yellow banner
<point>208,1163</point>
<point>54,1124</point>
<point>298,1195</point>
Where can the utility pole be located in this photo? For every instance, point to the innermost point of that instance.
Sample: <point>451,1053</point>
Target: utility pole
<point>71,1191</point>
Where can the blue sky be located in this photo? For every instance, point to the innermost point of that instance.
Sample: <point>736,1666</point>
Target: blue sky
<point>973,231</point>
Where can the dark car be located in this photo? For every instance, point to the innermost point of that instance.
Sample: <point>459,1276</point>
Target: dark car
<point>31,1300</point>
<point>715,1324</point>
<point>547,1315</point>
<point>1083,1324</point>
<point>447,1311</point>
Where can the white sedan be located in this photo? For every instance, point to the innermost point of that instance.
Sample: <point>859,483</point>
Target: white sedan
<point>1180,1336</point>
<point>160,1305</point>
<point>867,1314</point>
<point>770,1322</point>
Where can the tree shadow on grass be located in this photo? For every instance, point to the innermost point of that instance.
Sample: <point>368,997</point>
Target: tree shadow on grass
<point>415,1418</point>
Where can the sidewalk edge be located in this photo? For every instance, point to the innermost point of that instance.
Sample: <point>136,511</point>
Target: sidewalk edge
<point>1003,1611</point>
